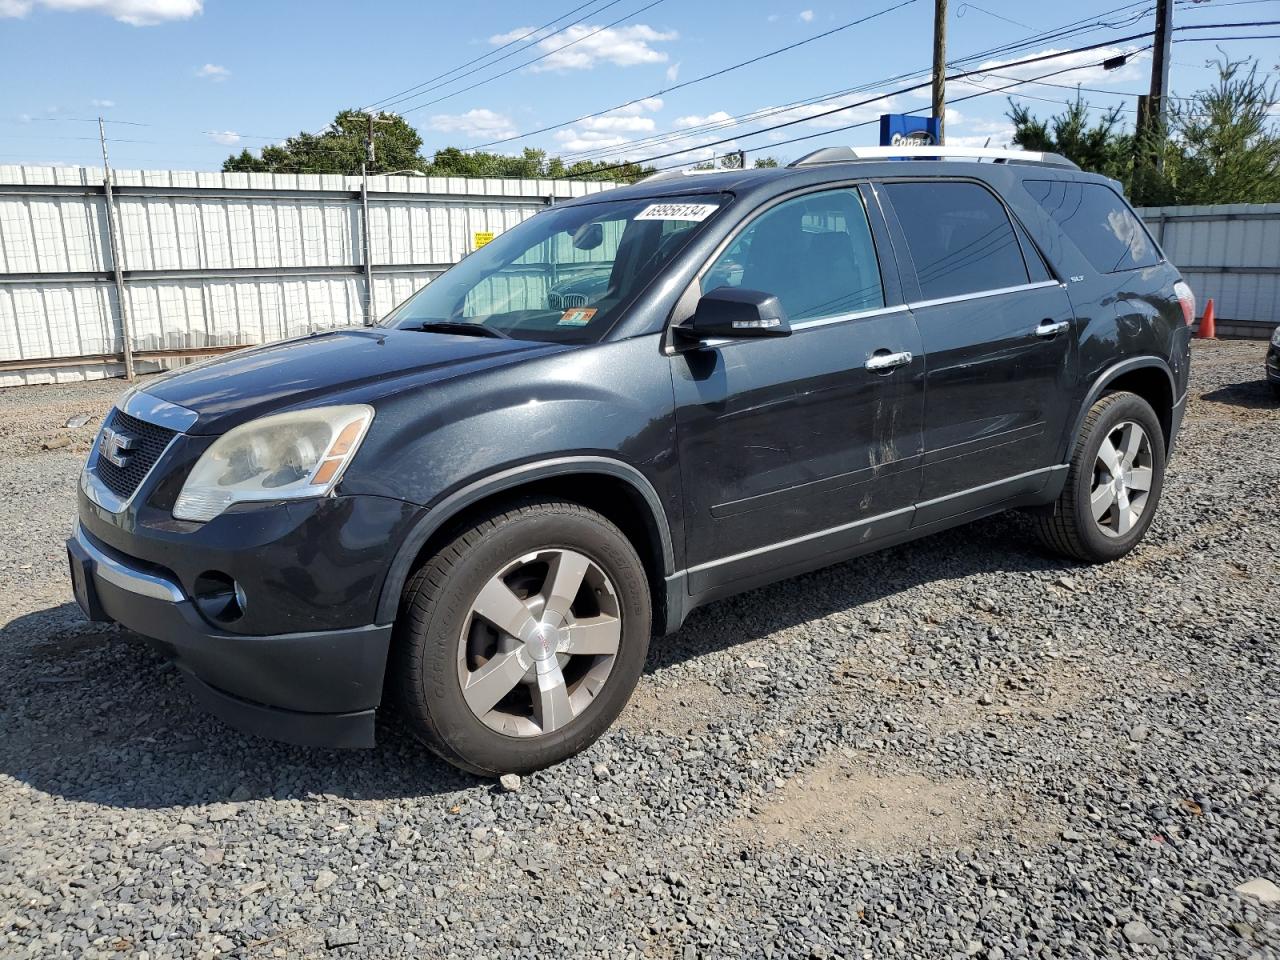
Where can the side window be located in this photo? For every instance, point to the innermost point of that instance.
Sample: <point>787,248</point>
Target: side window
<point>960,238</point>
<point>814,253</point>
<point>1098,221</point>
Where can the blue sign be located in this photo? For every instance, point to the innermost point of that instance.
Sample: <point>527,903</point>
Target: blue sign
<point>900,129</point>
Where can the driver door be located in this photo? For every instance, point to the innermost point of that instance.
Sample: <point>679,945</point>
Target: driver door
<point>792,451</point>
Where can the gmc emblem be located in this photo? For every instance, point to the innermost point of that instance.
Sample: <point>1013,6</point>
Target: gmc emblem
<point>115,447</point>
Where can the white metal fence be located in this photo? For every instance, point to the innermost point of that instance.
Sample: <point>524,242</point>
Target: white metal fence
<point>1230,252</point>
<point>212,260</point>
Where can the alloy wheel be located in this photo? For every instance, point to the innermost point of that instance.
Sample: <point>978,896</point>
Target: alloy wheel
<point>539,643</point>
<point>1122,478</point>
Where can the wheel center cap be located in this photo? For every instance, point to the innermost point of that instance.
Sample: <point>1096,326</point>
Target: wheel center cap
<point>543,641</point>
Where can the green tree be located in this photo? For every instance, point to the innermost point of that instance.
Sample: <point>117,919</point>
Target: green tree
<point>766,162</point>
<point>1102,147</point>
<point>1226,146</point>
<point>340,148</point>
<point>1221,144</point>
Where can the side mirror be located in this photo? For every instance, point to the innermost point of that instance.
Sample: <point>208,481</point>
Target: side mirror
<point>735,312</point>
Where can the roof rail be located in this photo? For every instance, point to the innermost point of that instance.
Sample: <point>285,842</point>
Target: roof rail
<point>672,174</point>
<point>914,152</point>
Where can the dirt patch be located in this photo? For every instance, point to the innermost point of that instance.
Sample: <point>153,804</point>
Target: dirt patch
<point>678,709</point>
<point>844,804</point>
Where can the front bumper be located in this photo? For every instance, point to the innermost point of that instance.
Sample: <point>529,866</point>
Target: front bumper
<point>314,689</point>
<point>1273,364</point>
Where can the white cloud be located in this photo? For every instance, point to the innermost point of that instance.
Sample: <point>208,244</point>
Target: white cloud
<point>694,120</point>
<point>137,13</point>
<point>214,72</point>
<point>478,124</point>
<point>228,138</point>
<point>774,17</point>
<point>806,16</point>
<point>573,141</point>
<point>621,46</point>
<point>102,104</point>
<point>963,132</point>
<point>673,73</point>
<point>603,131</point>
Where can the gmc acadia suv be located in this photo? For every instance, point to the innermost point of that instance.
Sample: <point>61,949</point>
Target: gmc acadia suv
<point>487,504</point>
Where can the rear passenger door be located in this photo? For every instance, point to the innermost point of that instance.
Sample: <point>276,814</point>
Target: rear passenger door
<point>998,342</point>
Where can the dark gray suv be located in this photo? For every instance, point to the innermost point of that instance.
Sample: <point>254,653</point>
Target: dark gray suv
<point>487,504</point>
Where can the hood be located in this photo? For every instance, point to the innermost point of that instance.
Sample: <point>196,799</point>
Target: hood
<point>346,366</point>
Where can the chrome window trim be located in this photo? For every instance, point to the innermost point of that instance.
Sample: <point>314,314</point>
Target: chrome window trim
<point>982,294</point>
<point>113,571</point>
<point>141,406</point>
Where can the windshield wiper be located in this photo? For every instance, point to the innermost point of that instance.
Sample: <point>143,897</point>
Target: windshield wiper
<point>460,327</point>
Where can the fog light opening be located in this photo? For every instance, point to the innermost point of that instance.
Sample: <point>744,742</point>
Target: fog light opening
<point>219,598</point>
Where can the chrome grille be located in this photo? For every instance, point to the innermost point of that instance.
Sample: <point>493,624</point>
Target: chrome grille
<point>148,442</point>
<point>563,301</point>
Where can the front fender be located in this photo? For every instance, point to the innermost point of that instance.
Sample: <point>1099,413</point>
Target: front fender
<point>452,504</point>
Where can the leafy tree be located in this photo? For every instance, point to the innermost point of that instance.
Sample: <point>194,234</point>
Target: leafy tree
<point>1220,146</point>
<point>1102,147</point>
<point>1226,148</point>
<point>766,162</point>
<point>340,148</point>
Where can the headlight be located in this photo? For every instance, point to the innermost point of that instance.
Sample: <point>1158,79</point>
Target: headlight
<point>1275,337</point>
<point>282,457</point>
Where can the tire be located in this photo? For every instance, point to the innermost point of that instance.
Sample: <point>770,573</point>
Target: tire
<point>451,658</point>
<point>1072,529</point>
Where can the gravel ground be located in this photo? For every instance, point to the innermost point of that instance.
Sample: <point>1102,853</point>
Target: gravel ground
<point>961,747</point>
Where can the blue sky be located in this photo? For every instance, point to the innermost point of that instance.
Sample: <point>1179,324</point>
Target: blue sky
<point>196,79</point>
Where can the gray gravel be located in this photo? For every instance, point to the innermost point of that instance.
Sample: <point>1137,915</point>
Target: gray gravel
<point>959,748</point>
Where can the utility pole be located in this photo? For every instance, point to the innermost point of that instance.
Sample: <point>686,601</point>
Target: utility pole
<point>117,255</point>
<point>370,309</point>
<point>1155,113</point>
<point>940,67</point>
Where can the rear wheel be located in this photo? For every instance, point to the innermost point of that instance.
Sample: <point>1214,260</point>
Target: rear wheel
<point>1113,483</point>
<point>521,641</point>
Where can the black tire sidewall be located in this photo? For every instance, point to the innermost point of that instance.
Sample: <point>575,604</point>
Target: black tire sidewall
<point>437,690</point>
<point>1122,407</point>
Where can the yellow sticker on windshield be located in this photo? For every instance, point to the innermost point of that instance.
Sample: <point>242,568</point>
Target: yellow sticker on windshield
<point>576,317</point>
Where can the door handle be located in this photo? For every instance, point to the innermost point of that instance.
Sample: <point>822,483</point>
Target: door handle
<point>1048,328</point>
<point>881,362</point>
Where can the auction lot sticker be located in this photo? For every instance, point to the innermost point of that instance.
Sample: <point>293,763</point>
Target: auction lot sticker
<point>482,237</point>
<point>678,211</point>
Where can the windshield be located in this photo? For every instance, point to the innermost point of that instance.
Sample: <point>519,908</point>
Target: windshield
<point>565,275</point>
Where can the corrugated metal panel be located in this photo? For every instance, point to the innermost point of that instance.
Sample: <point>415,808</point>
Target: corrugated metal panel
<point>1227,252</point>
<point>174,220</point>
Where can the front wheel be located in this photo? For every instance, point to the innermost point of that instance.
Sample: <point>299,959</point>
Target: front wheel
<point>520,642</point>
<point>1113,483</point>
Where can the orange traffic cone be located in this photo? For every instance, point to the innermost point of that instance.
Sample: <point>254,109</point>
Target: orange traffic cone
<point>1207,330</point>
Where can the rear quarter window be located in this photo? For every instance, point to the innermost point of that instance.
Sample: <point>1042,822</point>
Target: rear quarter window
<point>1098,221</point>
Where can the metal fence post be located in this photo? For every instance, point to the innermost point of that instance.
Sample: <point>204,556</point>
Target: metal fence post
<point>117,256</point>
<point>370,311</point>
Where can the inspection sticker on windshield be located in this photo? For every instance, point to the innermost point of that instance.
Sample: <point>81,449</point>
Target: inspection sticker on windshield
<point>678,211</point>
<point>576,317</point>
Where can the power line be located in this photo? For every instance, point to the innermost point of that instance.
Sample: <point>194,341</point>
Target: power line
<point>706,76</point>
<point>685,134</point>
<point>958,76</point>
<point>522,65</point>
<point>1085,25</point>
<point>397,97</point>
